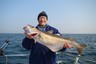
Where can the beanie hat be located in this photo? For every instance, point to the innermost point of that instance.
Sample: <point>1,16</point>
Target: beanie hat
<point>43,13</point>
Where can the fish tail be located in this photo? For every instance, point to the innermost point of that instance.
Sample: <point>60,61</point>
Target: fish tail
<point>80,48</point>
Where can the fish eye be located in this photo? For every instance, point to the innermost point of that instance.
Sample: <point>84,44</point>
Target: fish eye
<point>31,26</point>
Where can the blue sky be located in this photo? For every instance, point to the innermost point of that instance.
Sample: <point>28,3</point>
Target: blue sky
<point>68,16</point>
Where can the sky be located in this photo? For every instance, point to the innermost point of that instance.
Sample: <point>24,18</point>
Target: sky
<point>68,16</point>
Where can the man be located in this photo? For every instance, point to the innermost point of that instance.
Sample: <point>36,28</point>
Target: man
<point>40,54</point>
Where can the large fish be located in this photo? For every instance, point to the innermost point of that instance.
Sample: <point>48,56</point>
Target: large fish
<point>53,42</point>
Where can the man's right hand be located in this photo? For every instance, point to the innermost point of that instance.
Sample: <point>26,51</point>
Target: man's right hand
<point>28,36</point>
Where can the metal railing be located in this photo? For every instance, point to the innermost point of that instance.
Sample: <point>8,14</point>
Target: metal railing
<point>2,48</point>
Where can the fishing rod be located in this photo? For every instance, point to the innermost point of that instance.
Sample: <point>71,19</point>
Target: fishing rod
<point>4,45</point>
<point>2,48</point>
<point>1,52</point>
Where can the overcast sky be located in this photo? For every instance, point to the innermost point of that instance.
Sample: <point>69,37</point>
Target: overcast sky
<point>68,16</point>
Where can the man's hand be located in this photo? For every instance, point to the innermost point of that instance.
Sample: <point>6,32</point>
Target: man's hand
<point>28,36</point>
<point>66,45</point>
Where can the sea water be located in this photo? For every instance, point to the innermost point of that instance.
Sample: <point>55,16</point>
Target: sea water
<point>16,54</point>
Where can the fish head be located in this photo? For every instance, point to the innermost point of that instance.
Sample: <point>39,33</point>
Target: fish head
<point>31,30</point>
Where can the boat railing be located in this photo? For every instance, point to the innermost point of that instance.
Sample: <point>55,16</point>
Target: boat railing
<point>5,56</point>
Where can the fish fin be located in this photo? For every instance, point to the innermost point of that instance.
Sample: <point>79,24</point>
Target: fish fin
<point>80,48</point>
<point>50,31</point>
<point>40,37</point>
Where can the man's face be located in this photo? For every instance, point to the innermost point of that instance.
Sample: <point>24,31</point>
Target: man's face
<point>42,20</point>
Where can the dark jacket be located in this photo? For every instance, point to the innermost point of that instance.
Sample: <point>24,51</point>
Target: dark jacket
<point>40,54</point>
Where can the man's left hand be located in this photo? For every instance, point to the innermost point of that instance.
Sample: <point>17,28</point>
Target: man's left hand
<point>66,45</point>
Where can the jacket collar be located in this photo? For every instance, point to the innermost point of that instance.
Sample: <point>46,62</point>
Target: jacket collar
<point>42,28</point>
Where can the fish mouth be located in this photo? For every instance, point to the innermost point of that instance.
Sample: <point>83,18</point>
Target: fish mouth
<point>34,34</point>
